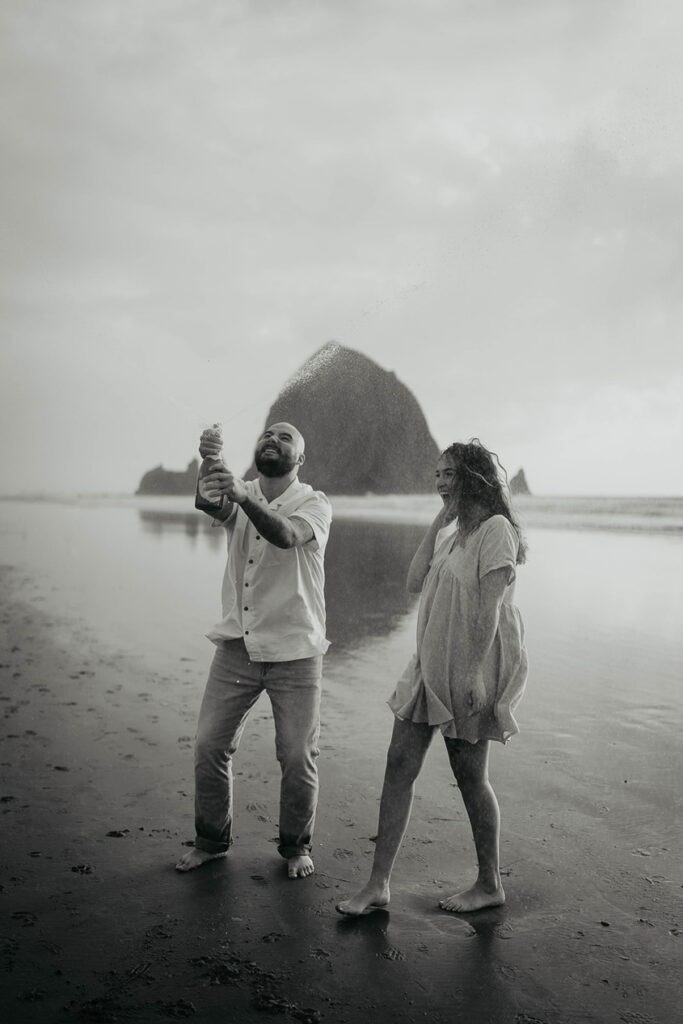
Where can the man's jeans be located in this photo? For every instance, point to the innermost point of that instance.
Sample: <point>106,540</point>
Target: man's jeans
<point>233,686</point>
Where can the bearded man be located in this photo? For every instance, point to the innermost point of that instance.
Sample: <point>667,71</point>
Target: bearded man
<point>271,637</point>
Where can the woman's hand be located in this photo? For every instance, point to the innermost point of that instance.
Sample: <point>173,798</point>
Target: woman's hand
<point>475,693</point>
<point>446,514</point>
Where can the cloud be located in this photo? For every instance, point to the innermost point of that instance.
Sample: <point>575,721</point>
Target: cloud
<point>611,439</point>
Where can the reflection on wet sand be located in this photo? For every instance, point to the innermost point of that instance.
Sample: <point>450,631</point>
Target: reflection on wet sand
<point>365,579</point>
<point>365,570</point>
<point>192,524</point>
<point>464,953</point>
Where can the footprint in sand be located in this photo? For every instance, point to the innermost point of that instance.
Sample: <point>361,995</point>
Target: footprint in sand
<point>340,854</point>
<point>26,917</point>
<point>320,954</point>
<point>259,810</point>
<point>391,953</point>
<point>158,933</point>
<point>32,995</point>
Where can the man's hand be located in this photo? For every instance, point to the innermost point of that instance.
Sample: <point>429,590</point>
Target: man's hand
<point>223,483</point>
<point>211,443</point>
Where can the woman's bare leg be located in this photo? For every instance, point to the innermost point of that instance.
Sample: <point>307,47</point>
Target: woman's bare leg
<point>469,762</point>
<point>409,744</point>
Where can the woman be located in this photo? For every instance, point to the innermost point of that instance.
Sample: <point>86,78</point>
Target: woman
<point>468,674</point>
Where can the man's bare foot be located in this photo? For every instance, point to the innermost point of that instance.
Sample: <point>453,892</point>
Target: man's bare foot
<point>300,866</point>
<point>476,898</point>
<point>367,901</point>
<point>195,857</point>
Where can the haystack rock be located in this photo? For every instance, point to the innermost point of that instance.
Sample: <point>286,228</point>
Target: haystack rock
<point>170,481</point>
<point>518,484</point>
<point>364,430</point>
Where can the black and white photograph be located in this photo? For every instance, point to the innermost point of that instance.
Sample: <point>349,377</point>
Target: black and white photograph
<point>341,511</point>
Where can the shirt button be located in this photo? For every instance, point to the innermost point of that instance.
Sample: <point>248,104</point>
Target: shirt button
<point>246,608</point>
<point>257,537</point>
<point>246,632</point>
<point>246,584</point>
<point>251,561</point>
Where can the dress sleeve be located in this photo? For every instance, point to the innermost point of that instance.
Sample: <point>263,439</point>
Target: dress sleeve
<point>317,512</point>
<point>499,548</point>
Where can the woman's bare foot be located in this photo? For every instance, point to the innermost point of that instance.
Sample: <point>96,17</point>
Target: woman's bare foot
<point>195,857</point>
<point>476,898</point>
<point>369,899</point>
<point>300,866</point>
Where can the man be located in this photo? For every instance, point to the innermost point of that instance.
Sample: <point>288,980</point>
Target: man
<point>271,637</point>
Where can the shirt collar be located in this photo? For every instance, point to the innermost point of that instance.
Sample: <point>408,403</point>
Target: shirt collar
<point>281,499</point>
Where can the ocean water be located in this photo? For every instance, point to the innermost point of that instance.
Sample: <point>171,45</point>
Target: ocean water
<point>631,514</point>
<point>145,573</point>
<point>602,603</point>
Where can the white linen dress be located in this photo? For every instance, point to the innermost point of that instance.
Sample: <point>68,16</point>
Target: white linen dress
<point>431,689</point>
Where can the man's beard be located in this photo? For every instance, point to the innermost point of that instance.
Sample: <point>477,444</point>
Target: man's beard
<point>275,467</point>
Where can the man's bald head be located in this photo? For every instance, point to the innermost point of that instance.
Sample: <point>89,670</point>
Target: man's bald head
<point>279,450</point>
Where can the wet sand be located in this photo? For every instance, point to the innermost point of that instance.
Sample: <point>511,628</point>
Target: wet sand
<point>96,803</point>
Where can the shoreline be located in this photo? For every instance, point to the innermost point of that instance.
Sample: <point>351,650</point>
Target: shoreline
<point>662,515</point>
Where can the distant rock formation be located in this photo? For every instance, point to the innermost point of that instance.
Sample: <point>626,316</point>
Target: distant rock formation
<point>518,484</point>
<point>168,481</point>
<point>364,430</point>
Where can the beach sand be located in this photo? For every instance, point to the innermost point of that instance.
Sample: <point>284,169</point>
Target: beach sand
<point>96,802</point>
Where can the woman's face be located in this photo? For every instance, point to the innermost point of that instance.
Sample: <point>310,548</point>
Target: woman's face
<point>445,478</point>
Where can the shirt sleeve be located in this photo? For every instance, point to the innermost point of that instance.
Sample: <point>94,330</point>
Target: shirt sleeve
<point>228,519</point>
<point>317,512</point>
<point>499,548</point>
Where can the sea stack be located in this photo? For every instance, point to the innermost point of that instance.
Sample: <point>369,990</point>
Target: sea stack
<point>518,484</point>
<point>170,481</point>
<point>364,430</point>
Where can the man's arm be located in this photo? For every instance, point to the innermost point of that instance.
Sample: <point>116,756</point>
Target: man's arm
<point>276,528</point>
<point>219,515</point>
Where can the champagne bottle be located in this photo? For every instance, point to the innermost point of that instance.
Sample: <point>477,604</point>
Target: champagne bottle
<point>209,465</point>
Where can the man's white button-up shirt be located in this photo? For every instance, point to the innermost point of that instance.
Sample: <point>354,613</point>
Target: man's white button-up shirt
<point>274,597</point>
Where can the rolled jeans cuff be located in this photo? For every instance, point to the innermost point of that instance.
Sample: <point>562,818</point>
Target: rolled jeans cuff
<point>210,846</point>
<point>289,850</point>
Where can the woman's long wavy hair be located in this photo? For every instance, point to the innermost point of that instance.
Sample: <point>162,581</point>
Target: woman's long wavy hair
<point>482,481</point>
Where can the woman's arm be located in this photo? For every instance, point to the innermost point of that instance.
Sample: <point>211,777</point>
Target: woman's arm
<point>491,590</point>
<point>422,559</point>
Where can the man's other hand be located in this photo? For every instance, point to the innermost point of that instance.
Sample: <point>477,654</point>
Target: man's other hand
<point>224,483</point>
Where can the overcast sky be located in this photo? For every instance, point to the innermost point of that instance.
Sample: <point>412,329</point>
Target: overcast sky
<point>484,196</point>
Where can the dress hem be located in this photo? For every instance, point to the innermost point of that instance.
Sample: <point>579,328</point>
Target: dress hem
<point>503,737</point>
